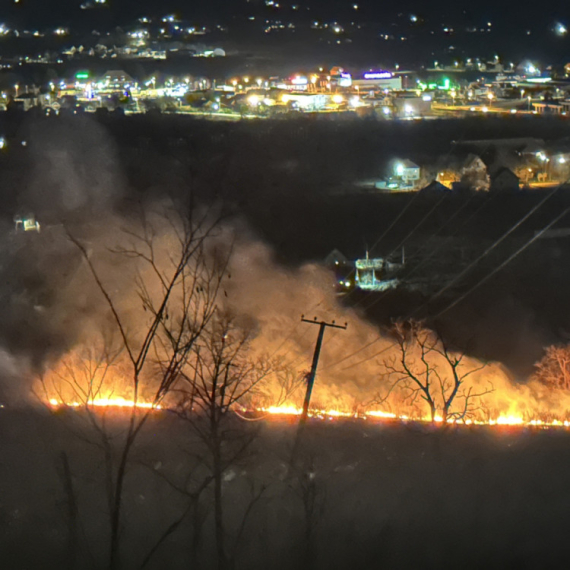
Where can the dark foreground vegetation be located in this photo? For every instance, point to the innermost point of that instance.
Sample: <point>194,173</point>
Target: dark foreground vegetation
<point>368,496</point>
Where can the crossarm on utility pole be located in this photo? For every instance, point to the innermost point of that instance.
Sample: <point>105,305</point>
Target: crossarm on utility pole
<point>312,375</point>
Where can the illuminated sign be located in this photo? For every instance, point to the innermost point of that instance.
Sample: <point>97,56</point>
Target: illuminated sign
<point>345,80</point>
<point>82,75</point>
<point>378,75</point>
<point>299,80</point>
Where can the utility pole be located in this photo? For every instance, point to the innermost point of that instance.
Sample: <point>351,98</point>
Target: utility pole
<point>311,377</point>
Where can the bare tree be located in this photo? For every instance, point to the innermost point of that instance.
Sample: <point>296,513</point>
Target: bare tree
<point>177,284</point>
<point>427,370</point>
<point>220,376</point>
<point>310,489</point>
<point>554,368</point>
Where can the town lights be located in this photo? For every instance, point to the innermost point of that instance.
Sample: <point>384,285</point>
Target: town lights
<point>253,100</point>
<point>338,99</point>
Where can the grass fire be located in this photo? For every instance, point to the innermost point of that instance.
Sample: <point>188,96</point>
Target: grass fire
<point>179,390</point>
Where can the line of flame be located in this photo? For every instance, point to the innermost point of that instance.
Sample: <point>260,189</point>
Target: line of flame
<point>502,420</point>
<point>106,403</point>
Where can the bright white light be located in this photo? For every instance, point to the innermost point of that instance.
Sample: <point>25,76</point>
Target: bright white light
<point>355,101</point>
<point>562,160</point>
<point>513,111</point>
<point>408,109</point>
<point>399,169</point>
<point>484,109</point>
<point>413,18</point>
<point>386,110</point>
<point>253,100</point>
<point>560,29</point>
<point>337,99</point>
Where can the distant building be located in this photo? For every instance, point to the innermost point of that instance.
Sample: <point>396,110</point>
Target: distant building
<point>376,274</point>
<point>408,107</point>
<point>435,187</point>
<point>504,180</point>
<point>408,171</point>
<point>378,80</point>
<point>335,257</point>
<point>27,223</point>
<point>118,80</point>
<point>26,101</point>
<point>549,108</point>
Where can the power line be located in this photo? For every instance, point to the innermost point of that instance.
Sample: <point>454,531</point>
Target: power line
<point>396,219</point>
<point>334,364</point>
<point>377,300</point>
<point>489,249</point>
<point>402,243</point>
<point>505,263</point>
<point>352,354</point>
<point>370,357</point>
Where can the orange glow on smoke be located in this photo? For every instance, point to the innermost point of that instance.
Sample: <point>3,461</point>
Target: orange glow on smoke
<point>79,381</point>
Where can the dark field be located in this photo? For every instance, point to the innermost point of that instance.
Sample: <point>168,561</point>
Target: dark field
<point>377,496</point>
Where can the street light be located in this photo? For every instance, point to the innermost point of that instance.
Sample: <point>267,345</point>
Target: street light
<point>529,100</point>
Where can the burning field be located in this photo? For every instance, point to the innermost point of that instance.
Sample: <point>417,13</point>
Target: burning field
<point>156,335</point>
<point>155,372</point>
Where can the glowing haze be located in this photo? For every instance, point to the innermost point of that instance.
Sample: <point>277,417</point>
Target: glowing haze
<point>54,317</point>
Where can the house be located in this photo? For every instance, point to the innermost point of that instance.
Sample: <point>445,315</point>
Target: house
<point>335,257</point>
<point>504,180</point>
<point>408,171</point>
<point>435,187</point>
<point>27,101</point>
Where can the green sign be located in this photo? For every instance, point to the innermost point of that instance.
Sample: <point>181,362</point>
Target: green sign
<point>82,75</point>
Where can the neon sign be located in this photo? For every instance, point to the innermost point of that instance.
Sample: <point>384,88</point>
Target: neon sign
<point>378,75</point>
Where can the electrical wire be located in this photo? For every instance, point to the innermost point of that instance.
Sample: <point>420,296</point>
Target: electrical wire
<point>490,248</point>
<point>505,263</point>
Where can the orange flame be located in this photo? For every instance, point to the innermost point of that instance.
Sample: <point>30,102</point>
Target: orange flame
<point>106,403</point>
